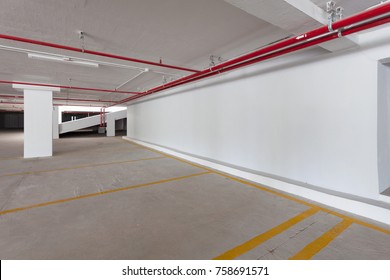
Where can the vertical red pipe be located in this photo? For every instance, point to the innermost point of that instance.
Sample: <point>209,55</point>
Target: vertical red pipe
<point>101,117</point>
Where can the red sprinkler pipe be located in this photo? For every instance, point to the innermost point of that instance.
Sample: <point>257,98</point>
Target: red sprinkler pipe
<point>74,105</point>
<point>13,103</point>
<point>83,100</point>
<point>61,99</point>
<point>323,39</point>
<point>73,49</point>
<point>305,40</point>
<point>69,87</point>
<point>56,104</point>
<point>300,46</point>
<point>12,109</point>
<point>10,96</point>
<point>102,117</point>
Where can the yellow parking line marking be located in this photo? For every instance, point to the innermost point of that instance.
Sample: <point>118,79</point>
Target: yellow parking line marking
<point>356,221</point>
<point>256,241</point>
<point>365,224</point>
<point>320,243</point>
<point>98,194</point>
<point>79,167</point>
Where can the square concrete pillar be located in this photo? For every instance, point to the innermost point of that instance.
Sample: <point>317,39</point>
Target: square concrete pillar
<point>38,118</point>
<point>110,126</point>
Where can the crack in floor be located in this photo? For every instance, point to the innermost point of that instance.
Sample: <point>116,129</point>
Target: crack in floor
<point>273,250</point>
<point>14,188</point>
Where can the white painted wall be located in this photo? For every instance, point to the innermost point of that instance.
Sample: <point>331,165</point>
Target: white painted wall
<point>38,117</point>
<point>384,126</point>
<point>55,123</point>
<point>312,120</point>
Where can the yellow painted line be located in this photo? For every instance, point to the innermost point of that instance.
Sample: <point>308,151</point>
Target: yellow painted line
<point>256,241</point>
<point>97,194</point>
<point>365,224</point>
<point>320,243</point>
<point>356,221</point>
<point>79,167</point>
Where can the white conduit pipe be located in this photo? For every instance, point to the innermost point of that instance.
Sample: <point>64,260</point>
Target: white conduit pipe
<point>132,79</point>
<point>105,63</point>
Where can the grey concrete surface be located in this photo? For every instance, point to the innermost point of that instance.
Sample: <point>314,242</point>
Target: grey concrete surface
<point>41,187</point>
<point>11,143</point>
<point>197,217</point>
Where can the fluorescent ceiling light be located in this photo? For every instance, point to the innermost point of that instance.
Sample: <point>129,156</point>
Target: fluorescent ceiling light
<point>29,87</point>
<point>62,59</point>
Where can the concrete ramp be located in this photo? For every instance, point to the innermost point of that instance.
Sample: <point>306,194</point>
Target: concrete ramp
<point>92,121</point>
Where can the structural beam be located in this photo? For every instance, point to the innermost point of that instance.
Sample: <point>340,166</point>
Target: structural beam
<point>310,9</point>
<point>316,13</point>
<point>294,16</point>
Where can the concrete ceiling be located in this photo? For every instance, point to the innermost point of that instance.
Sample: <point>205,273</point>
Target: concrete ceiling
<point>180,32</point>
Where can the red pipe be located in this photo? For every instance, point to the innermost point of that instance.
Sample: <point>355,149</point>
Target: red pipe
<point>73,49</point>
<point>320,40</point>
<point>329,37</point>
<point>83,100</point>
<point>102,117</point>
<point>280,48</point>
<point>289,45</point>
<point>9,110</point>
<point>262,58</point>
<point>69,87</point>
<point>73,105</point>
<point>13,103</point>
<point>57,104</point>
<point>62,99</point>
<point>10,96</point>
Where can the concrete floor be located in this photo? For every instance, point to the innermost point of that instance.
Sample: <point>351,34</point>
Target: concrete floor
<point>105,198</point>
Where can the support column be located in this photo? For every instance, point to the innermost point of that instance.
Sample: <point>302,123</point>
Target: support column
<point>56,113</point>
<point>110,126</point>
<point>38,119</point>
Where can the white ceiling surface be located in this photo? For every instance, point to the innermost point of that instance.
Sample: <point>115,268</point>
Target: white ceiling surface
<point>278,12</point>
<point>181,32</point>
